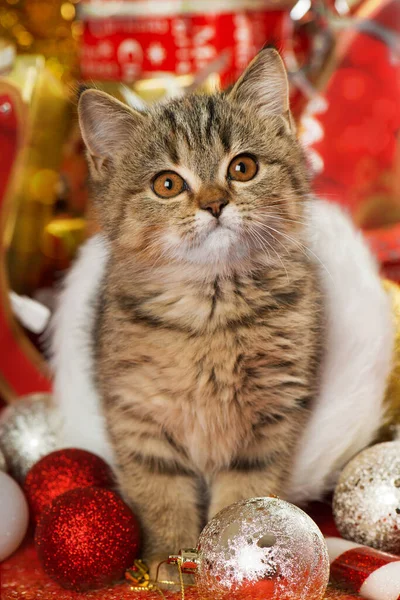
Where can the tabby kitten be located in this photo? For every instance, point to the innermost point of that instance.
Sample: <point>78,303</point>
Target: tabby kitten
<point>207,340</point>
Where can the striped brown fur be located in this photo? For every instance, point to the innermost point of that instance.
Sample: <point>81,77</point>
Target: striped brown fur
<point>207,348</point>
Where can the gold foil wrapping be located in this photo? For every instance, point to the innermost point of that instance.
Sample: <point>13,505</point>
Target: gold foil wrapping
<point>392,401</point>
<point>36,174</point>
<point>157,88</point>
<point>45,27</point>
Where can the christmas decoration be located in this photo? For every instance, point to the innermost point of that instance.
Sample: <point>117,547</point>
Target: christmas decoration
<point>44,27</point>
<point>352,128</point>
<point>262,548</point>
<point>366,503</point>
<point>23,577</point>
<point>392,401</point>
<point>62,471</point>
<point>19,355</point>
<point>28,431</point>
<point>3,466</point>
<point>45,110</point>
<point>136,40</point>
<point>14,516</point>
<point>87,538</point>
<point>373,574</point>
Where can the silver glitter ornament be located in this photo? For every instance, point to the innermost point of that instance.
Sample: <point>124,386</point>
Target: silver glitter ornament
<point>3,466</point>
<point>28,430</point>
<point>366,504</point>
<point>262,548</point>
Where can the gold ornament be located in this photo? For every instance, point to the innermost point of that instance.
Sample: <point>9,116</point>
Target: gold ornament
<point>32,192</point>
<point>187,560</point>
<point>139,578</point>
<point>366,503</point>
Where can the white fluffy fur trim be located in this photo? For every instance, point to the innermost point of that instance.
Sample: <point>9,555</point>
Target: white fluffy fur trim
<point>72,324</point>
<point>358,354</point>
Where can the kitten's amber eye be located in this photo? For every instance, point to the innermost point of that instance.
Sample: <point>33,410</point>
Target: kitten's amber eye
<point>243,168</point>
<point>168,184</point>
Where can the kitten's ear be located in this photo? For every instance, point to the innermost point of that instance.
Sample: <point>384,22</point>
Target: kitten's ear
<point>105,125</point>
<point>264,86</point>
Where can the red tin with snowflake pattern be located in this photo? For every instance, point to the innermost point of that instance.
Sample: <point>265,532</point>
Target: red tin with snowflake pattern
<point>128,40</point>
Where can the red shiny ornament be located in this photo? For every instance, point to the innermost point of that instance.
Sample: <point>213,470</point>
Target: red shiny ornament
<point>62,471</point>
<point>87,538</point>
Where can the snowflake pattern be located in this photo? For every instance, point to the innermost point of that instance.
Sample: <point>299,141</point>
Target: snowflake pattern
<point>156,53</point>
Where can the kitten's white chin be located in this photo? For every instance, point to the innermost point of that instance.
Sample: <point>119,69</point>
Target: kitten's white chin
<point>221,245</point>
<point>218,242</point>
<point>218,245</point>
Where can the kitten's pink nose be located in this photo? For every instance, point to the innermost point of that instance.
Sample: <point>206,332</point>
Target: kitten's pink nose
<point>215,207</point>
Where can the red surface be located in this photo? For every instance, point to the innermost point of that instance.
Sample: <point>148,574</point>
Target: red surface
<point>22,577</point>
<point>127,48</point>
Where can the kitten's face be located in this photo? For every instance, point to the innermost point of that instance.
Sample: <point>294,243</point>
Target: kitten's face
<point>202,179</point>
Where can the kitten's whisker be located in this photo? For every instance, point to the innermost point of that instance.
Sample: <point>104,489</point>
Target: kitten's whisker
<point>282,201</point>
<point>272,248</point>
<point>243,239</point>
<point>284,219</point>
<point>259,241</point>
<point>302,247</point>
<point>160,254</point>
<point>278,207</point>
<point>279,256</point>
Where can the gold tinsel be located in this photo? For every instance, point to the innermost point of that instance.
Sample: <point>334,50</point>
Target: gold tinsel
<point>44,28</point>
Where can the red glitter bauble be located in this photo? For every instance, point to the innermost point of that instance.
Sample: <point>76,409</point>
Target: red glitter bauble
<point>62,471</point>
<point>87,538</point>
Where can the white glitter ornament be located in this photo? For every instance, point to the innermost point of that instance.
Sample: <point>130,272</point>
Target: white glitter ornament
<point>262,548</point>
<point>28,431</point>
<point>366,504</point>
<point>14,516</point>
